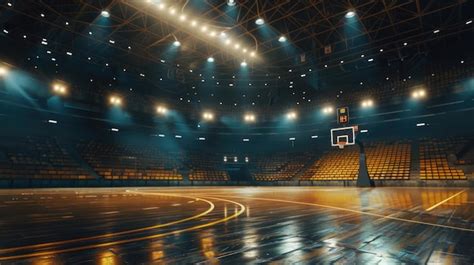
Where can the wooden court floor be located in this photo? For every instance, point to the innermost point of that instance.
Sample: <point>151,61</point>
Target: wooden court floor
<point>237,225</point>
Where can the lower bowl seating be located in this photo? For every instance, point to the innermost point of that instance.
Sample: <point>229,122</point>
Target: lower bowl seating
<point>120,162</point>
<point>38,158</point>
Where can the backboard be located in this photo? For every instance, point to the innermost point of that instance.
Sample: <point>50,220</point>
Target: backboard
<point>343,136</point>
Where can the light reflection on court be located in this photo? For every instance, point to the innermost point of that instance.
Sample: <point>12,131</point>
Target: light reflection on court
<point>280,224</point>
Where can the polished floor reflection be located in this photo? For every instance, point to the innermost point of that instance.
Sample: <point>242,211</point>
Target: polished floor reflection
<point>235,225</point>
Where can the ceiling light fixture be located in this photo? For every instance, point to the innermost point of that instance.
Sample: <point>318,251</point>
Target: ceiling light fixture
<point>105,13</point>
<point>350,14</point>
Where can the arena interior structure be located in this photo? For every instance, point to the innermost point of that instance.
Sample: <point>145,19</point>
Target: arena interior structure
<point>233,131</point>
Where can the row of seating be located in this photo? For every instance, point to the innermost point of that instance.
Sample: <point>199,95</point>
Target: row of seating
<point>389,161</point>
<point>129,162</point>
<point>206,167</point>
<point>38,158</point>
<point>277,167</point>
<point>45,158</point>
<point>434,161</point>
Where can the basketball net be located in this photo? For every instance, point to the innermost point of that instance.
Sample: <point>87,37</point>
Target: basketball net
<point>341,145</point>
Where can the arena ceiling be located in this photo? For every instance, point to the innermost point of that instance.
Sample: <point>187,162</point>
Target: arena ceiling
<point>298,49</point>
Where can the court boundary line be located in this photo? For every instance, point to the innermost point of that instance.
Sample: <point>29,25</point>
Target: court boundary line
<point>124,232</point>
<point>355,211</point>
<point>125,241</point>
<point>444,201</point>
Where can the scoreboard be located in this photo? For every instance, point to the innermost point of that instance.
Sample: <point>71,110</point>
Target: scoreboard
<point>343,115</point>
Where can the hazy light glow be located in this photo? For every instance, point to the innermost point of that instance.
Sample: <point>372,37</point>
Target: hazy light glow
<point>176,43</point>
<point>243,64</point>
<point>282,38</point>
<point>259,21</point>
<point>208,116</point>
<point>328,110</point>
<point>59,88</point>
<point>250,118</point>
<point>367,103</point>
<point>292,115</point>
<point>418,94</point>
<point>210,59</point>
<point>105,13</point>
<point>115,100</point>
<point>350,14</point>
<point>161,110</point>
<point>4,71</point>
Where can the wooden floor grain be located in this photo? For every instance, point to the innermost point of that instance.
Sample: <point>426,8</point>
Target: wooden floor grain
<point>235,225</point>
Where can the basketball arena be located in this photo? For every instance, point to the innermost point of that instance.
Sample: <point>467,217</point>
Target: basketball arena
<point>236,132</point>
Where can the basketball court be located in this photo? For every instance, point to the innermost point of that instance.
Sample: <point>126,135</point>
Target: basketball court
<point>237,224</point>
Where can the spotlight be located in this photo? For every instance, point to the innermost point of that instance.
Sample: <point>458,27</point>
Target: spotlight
<point>59,88</point>
<point>116,101</point>
<point>231,2</point>
<point>236,46</point>
<point>210,59</point>
<point>282,38</point>
<point>182,18</point>
<point>193,23</point>
<point>252,54</point>
<point>161,110</point>
<point>3,71</point>
<point>367,103</point>
<point>419,93</point>
<point>243,64</point>
<point>212,34</point>
<point>204,28</point>
<point>172,11</point>
<point>249,118</point>
<point>259,21</point>
<point>208,116</point>
<point>327,110</point>
<point>176,43</point>
<point>105,13</point>
<point>292,115</point>
<point>161,6</point>
<point>350,14</point>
